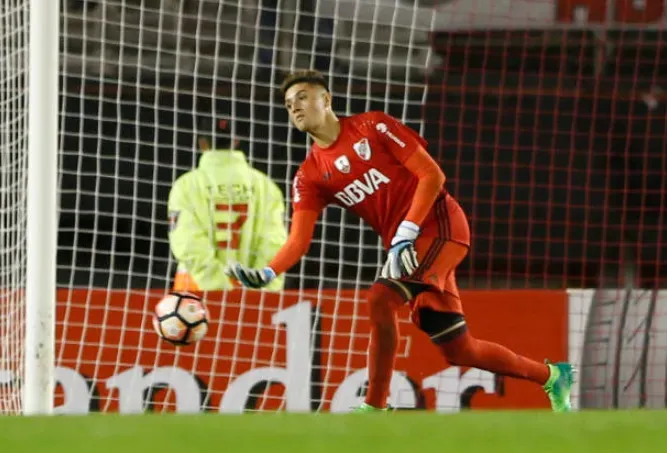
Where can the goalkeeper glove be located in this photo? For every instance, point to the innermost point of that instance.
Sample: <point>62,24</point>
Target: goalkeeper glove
<point>402,259</point>
<point>252,278</point>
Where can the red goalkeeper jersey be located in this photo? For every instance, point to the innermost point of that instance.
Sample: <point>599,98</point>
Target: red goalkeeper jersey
<point>363,171</point>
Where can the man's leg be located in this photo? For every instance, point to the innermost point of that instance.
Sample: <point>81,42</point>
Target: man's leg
<point>440,315</point>
<point>385,297</point>
<point>449,332</point>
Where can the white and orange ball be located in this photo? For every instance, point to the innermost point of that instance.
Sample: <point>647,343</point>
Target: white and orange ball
<point>181,318</point>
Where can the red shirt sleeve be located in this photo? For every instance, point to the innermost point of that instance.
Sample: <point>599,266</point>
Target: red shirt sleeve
<point>298,242</point>
<point>306,196</point>
<point>307,203</point>
<point>430,185</point>
<point>399,139</point>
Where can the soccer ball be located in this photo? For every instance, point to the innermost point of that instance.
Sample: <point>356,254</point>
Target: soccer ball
<point>181,319</point>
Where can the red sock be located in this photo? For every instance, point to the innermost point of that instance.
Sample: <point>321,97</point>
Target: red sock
<point>467,351</point>
<point>383,303</point>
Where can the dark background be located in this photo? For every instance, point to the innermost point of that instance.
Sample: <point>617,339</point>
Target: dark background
<point>556,157</point>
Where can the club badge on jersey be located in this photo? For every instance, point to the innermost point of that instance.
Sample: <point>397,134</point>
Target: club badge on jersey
<point>342,164</point>
<point>363,149</point>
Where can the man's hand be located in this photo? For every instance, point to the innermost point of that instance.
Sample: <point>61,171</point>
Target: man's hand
<point>252,278</point>
<point>402,259</point>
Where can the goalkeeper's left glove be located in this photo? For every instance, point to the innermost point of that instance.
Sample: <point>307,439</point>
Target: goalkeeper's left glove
<point>402,259</point>
<point>252,278</point>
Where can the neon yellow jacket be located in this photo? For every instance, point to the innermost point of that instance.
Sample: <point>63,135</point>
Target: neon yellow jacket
<point>225,211</point>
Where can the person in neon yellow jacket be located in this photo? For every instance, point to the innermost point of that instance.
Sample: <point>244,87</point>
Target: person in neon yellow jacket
<point>223,211</point>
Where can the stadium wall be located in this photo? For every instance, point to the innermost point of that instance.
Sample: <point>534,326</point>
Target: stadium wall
<point>299,351</point>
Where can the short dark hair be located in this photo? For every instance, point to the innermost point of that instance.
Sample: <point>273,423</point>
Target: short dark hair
<point>218,132</point>
<point>306,76</point>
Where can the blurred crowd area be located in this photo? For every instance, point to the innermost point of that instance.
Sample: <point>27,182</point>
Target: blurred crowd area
<point>222,39</point>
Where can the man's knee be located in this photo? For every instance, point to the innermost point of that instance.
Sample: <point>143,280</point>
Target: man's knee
<point>441,326</point>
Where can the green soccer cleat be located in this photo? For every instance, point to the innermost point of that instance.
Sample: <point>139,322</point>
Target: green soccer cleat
<point>363,407</point>
<point>559,385</point>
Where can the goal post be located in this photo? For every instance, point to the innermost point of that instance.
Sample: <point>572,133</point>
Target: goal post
<point>42,202</point>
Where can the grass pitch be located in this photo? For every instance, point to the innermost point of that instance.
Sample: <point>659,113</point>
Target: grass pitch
<point>416,432</point>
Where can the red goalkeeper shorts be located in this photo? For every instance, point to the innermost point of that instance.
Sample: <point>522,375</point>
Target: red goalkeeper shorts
<point>441,246</point>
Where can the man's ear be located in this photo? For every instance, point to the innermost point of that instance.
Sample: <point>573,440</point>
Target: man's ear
<point>327,100</point>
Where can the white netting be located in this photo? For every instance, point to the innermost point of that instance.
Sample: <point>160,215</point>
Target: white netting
<point>527,108</point>
<point>138,77</point>
<point>13,172</point>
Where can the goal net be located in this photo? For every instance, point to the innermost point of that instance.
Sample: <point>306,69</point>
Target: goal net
<point>13,183</point>
<point>547,117</point>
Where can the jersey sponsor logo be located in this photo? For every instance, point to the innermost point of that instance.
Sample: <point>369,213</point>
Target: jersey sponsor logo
<point>173,220</point>
<point>383,129</point>
<point>342,164</point>
<point>359,189</point>
<point>363,149</point>
<point>295,189</point>
<point>233,193</point>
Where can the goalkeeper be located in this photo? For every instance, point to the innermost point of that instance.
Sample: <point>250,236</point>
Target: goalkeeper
<point>378,168</point>
<point>224,210</point>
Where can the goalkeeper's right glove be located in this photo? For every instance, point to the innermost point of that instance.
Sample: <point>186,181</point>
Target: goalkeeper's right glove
<point>252,278</point>
<point>402,259</point>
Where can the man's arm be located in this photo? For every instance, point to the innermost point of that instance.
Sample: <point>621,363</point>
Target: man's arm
<point>430,181</point>
<point>409,149</point>
<point>298,242</point>
<point>189,238</point>
<point>402,258</point>
<point>308,202</point>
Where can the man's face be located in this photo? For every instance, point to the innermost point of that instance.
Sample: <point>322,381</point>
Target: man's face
<point>307,105</point>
